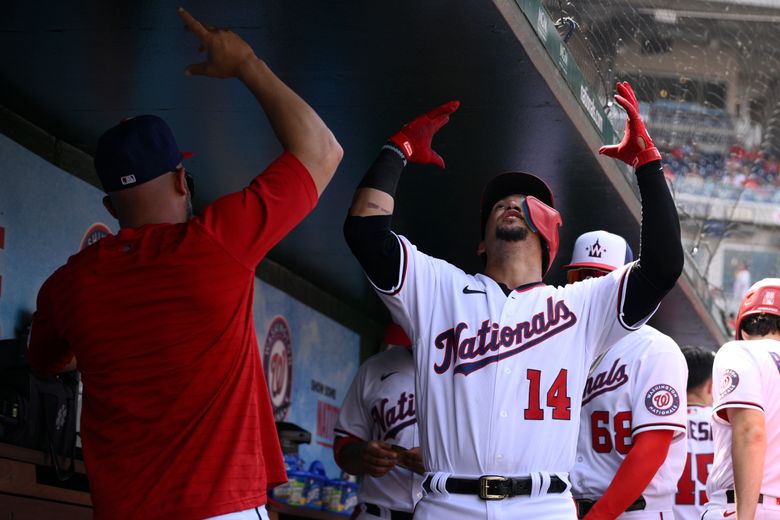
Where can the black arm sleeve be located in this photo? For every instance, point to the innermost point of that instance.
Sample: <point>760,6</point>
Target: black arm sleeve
<point>372,242</point>
<point>661,255</point>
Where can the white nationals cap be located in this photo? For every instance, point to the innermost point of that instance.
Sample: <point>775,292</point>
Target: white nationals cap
<point>600,250</point>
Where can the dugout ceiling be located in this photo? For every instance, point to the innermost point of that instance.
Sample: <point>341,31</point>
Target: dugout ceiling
<point>75,68</point>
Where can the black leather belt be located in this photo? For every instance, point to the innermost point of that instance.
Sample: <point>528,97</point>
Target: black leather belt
<point>494,487</point>
<point>586,504</point>
<point>375,510</point>
<point>731,497</point>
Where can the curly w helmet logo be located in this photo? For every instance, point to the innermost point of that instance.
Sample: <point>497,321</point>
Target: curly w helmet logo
<point>769,298</point>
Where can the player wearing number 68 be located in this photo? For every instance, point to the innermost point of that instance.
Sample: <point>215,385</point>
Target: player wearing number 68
<point>631,448</point>
<point>501,358</point>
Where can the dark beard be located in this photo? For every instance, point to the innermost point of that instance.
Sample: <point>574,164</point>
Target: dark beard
<point>514,234</point>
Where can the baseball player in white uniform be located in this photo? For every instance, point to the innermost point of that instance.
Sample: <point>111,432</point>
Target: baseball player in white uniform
<point>745,477</point>
<point>692,487</point>
<point>376,433</point>
<point>501,358</point>
<point>631,447</point>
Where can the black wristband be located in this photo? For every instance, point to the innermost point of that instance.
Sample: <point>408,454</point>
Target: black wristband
<point>385,173</point>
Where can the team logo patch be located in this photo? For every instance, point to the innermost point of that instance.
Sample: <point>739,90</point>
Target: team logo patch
<point>776,359</point>
<point>94,233</point>
<point>729,382</point>
<point>277,363</point>
<point>662,400</point>
<point>596,250</point>
<point>769,298</point>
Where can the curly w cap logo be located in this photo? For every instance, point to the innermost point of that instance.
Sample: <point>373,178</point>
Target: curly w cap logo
<point>662,400</point>
<point>596,250</point>
<point>729,382</point>
<point>769,298</point>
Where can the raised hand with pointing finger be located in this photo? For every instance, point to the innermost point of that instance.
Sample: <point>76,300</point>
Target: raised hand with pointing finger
<point>226,52</point>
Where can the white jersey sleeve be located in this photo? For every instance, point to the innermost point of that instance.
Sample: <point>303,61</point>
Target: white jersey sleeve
<point>692,487</point>
<point>746,374</point>
<point>354,420</point>
<point>736,380</point>
<point>659,396</point>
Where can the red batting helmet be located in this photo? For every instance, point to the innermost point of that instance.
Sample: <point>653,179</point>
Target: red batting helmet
<point>762,298</point>
<point>538,209</point>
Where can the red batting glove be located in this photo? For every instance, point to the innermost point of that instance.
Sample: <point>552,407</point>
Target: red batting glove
<point>636,148</point>
<point>414,139</point>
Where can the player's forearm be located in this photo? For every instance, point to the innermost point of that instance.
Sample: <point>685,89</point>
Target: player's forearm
<point>748,449</point>
<point>376,193</point>
<point>634,474</point>
<point>297,126</point>
<point>661,256</point>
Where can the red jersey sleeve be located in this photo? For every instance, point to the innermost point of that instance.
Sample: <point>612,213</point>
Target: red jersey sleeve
<point>48,352</point>
<point>250,222</point>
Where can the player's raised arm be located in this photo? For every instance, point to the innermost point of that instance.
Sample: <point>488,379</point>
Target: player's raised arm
<point>660,257</point>
<point>367,227</point>
<point>297,126</point>
<point>376,192</point>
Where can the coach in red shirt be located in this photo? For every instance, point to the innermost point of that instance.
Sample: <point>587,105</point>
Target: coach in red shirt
<point>176,419</point>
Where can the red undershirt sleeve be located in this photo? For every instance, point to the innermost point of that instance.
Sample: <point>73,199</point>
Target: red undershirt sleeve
<point>635,473</point>
<point>340,444</point>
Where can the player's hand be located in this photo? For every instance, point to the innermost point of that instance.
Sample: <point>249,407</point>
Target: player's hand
<point>636,148</point>
<point>225,51</point>
<point>378,458</point>
<point>414,139</point>
<point>411,460</point>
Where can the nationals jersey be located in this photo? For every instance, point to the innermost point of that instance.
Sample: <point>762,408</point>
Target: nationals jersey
<point>746,374</point>
<point>499,377</point>
<point>380,405</point>
<point>691,489</point>
<point>637,386</point>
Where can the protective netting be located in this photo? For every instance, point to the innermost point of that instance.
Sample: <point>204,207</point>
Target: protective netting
<point>707,75</point>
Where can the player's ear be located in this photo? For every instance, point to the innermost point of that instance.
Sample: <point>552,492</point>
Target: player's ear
<point>180,181</point>
<point>481,248</point>
<point>109,206</point>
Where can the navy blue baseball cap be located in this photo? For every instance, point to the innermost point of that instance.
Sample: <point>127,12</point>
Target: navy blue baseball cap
<point>135,151</point>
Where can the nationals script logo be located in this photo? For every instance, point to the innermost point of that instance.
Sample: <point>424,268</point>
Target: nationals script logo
<point>392,419</point>
<point>490,339</point>
<point>604,382</point>
<point>277,361</point>
<point>662,400</point>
